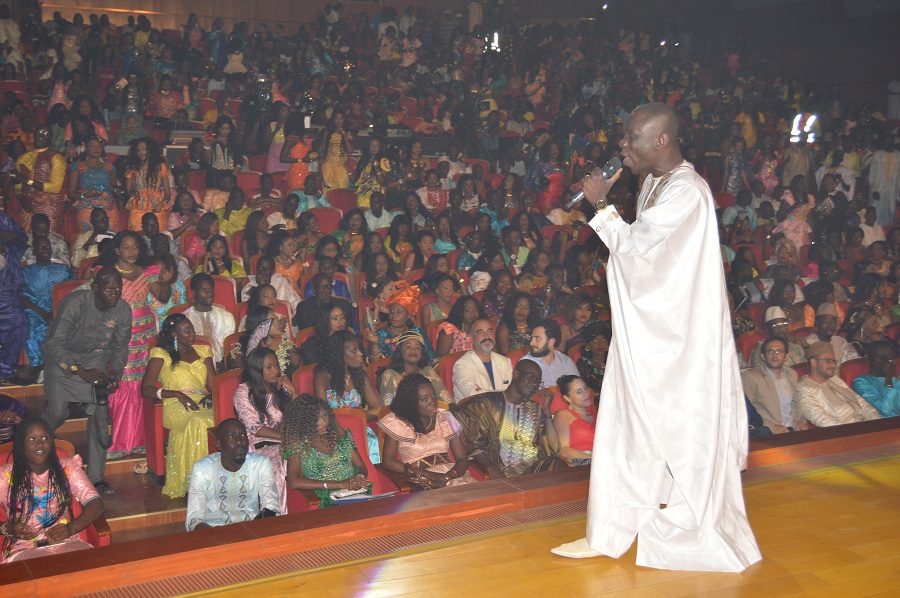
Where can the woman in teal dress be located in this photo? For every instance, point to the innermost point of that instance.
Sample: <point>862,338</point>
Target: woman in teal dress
<point>321,456</point>
<point>90,184</point>
<point>340,380</point>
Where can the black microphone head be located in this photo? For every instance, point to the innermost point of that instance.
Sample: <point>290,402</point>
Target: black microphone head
<point>611,167</point>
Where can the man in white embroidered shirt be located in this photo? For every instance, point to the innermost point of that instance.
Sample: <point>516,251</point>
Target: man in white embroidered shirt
<point>232,485</point>
<point>545,338</point>
<point>825,400</point>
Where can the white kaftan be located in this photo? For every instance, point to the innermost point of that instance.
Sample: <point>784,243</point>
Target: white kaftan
<point>672,390</point>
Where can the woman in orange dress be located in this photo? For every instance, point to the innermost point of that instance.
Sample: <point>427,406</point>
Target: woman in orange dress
<point>283,249</point>
<point>295,153</point>
<point>147,182</point>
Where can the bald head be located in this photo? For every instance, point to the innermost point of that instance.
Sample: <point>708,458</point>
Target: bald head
<point>661,118</point>
<point>650,144</point>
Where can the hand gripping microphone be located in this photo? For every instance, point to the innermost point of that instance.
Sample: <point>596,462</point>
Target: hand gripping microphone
<point>608,170</point>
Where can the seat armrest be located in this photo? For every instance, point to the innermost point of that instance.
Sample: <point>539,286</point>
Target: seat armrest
<point>395,478</point>
<point>311,498</point>
<point>479,469</point>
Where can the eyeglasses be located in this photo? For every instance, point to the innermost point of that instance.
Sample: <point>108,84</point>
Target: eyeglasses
<point>775,351</point>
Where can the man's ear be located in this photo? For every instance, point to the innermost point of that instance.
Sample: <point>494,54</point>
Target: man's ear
<point>662,140</point>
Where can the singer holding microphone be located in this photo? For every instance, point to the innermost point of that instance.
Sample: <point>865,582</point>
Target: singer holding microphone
<point>671,434</point>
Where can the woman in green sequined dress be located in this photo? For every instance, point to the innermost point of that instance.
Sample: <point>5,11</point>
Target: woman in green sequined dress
<point>321,456</point>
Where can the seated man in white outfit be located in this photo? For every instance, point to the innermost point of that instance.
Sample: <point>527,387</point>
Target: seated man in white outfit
<point>232,485</point>
<point>825,400</point>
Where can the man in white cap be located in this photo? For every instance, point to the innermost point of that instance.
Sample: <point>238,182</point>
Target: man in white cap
<point>826,326</point>
<point>825,400</point>
<point>775,322</point>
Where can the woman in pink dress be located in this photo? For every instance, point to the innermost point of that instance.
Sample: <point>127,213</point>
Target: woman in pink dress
<point>125,404</point>
<point>260,402</point>
<point>796,206</point>
<point>422,442</point>
<point>38,492</point>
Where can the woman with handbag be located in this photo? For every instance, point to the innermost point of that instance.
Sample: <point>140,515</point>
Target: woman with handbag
<point>420,437</point>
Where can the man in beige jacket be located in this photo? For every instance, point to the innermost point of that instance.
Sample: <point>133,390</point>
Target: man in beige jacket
<point>772,388</point>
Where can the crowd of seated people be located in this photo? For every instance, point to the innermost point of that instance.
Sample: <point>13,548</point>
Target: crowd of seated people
<point>341,268</point>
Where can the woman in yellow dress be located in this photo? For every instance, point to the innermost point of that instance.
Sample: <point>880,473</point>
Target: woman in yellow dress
<point>337,144</point>
<point>185,371</point>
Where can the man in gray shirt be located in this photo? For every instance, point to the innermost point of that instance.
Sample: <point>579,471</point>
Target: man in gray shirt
<point>545,337</point>
<point>86,348</point>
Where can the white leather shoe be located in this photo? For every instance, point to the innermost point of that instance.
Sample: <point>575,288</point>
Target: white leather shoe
<point>578,549</point>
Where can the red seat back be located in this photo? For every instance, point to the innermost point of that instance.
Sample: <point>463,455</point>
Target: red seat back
<point>445,368</point>
<point>852,369</point>
<point>224,387</point>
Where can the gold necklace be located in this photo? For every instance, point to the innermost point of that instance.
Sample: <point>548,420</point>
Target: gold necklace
<point>121,271</point>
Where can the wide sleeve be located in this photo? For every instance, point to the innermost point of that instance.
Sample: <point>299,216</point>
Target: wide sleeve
<point>812,406</point>
<point>246,411</point>
<point>268,489</point>
<point>120,340</point>
<point>61,329</point>
<point>82,489</point>
<point>477,422</point>
<point>204,351</point>
<point>654,225</point>
<point>198,488</point>
<point>57,174</point>
<point>448,426</point>
<point>864,387</point>
<point>438,385</point>
<point>397,429</point>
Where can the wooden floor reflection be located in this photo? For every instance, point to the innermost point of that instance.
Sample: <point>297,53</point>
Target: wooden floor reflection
<point>832,532</point>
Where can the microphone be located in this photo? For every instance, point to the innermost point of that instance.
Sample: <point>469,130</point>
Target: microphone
<point>608,170</point>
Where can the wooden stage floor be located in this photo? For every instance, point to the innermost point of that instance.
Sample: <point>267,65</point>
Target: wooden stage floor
<point>833,531</point>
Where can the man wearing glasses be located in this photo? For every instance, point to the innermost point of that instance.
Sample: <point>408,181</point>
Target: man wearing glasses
<point>825,400</point>
<point>772,388</point>
<point>775,322</point>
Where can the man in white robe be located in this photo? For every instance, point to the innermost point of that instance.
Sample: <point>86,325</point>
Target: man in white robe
<point>884,181</point>
<point>671,434</point>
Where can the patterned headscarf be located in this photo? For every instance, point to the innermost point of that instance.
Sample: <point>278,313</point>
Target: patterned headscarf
<point>407,297</point>
<point>405,336</point>
<point>259,334</point>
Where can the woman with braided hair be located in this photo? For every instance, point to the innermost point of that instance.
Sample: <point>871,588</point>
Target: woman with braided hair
<point>340,380</point>
<point>419,438</point>
<point>321,456</point>
<point>37,492</point>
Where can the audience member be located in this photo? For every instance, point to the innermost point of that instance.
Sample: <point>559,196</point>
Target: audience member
<point>420,438</point>
<point>507,433</point>
<point>321,455</point>
<point>184,371</point>
<point>825,400</point>
<point>85,355</point>
<point>772,388</point>
<point>545,337</point>
<point>232,485</point>
<point>776,324</point>
<point>37,491</point>
<point>209,320</point>
<point>481,369</point>
<point>880,387</point>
